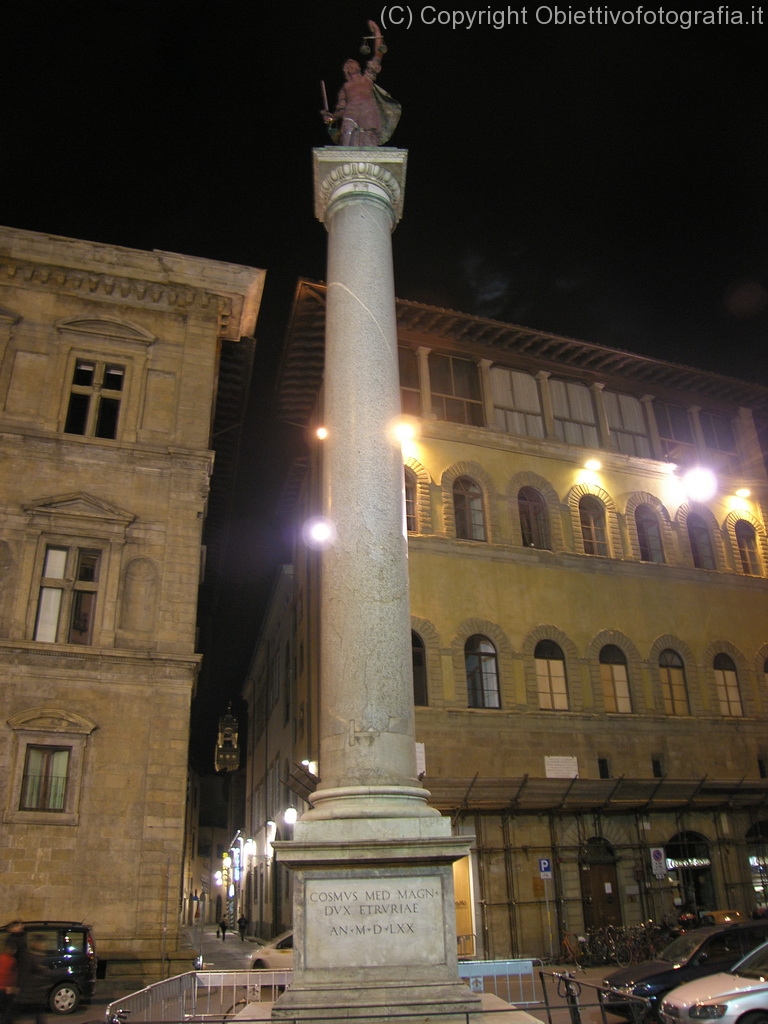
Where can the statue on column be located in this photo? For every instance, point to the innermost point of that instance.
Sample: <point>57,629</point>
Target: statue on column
<point>365,114</point>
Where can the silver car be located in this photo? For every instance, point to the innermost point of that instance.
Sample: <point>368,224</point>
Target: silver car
<point>738,996</point>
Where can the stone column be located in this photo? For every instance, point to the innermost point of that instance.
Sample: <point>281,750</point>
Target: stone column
<point>374,916</point>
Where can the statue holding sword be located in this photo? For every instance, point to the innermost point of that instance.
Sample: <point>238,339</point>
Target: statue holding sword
<point>365,114</point>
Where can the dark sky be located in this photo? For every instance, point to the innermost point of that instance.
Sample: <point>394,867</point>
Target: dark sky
<point>603,181</point>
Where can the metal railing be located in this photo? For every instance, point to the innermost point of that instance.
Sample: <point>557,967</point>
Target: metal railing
<point>566,991</point>
<point>199,996</point>
<point>207,996</point>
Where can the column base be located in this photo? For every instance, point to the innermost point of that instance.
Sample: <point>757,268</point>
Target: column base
<point>374,922</point>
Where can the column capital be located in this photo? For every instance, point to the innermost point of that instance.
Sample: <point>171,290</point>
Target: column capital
<point>342,173</point>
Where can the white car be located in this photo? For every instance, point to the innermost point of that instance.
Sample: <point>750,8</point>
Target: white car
<point>738,996</point>
<point>276,955</point>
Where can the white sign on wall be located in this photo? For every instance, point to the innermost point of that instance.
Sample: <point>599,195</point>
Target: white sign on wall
<point>561,767</point>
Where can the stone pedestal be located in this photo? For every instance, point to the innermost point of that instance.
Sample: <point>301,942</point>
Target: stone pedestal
<point>374,919</point>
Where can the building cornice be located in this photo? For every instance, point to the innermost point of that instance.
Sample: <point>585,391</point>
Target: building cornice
<point>174,283</point>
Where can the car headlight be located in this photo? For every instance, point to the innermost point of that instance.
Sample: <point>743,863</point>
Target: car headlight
<point>708,1011</point>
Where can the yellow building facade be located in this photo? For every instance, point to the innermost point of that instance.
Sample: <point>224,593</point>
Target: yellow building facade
<point>589,622</point>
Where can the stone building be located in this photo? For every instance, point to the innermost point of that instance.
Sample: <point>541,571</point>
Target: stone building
<point>589,622</point>
<point>109,366</point>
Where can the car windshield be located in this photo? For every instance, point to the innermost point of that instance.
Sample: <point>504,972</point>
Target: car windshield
<point>681,949</point>
<point>755,965</point>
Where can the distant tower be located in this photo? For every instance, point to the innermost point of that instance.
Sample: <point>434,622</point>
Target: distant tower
<point>227,750</point>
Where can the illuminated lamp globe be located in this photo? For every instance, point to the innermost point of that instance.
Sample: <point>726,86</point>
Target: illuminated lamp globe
<point>700,483</point>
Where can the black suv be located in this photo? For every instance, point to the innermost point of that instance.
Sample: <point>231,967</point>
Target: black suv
<point>57,963</point>
<point>691,955</point>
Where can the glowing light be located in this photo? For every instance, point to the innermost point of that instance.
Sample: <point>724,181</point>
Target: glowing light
<point>311,766</point>
<point>404,430</point>
<point>593,464</point>
<point>319,532</point>
<point>700,483</point>
<point>290,815</point>
<point>743,492</point>
<point>321,433</point>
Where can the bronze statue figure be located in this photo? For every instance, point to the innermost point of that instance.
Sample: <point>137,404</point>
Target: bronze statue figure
<point>365,114</point>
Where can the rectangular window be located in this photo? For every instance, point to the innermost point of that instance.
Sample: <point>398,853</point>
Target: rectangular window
<point>675,432</point>
<point>615,688</point>
<point>718,433</point>
<point>44,785</point>
<point>517,407</point>
<point>66,606</point>
<point>410,390</point>
<point>455,386</point>
<point>94,401</point>
<point>575,421</point>
<point>604,768</point>
<point>551,683</point>
<point>627,424</point>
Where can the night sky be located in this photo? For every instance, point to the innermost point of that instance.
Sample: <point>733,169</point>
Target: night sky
<point>603,181</point>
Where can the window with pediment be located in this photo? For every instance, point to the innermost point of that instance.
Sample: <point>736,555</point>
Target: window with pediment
<point>75,543</point>
<point>46,770</point>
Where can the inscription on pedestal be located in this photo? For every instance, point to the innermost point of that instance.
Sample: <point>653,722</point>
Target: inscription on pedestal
<point>394,921</point>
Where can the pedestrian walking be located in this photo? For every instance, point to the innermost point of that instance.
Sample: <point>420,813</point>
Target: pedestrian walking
<point>223,928</point>
<point>242,924</point>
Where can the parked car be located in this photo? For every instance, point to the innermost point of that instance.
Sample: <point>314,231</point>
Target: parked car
<point>694,954</point>
<point>276,955</point>
<point>739,995</point>
<point>57,961</point>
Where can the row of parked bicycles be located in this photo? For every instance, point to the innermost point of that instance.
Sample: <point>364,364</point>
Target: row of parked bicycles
<point>612,945</point>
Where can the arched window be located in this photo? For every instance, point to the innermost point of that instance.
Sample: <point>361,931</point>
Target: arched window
<point>550,676</point>
<point>419,661</point>
<point>673,684</point>
<point>727,686</point>
<point>701,542</point>
<point>411,491</point>
<point>482,672</point>
<point>592,517</point>
<point>613,675</point>
<point>649,534</point>
<point>746,541</point>
<point>534,520</point>
<point>468,509</point>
